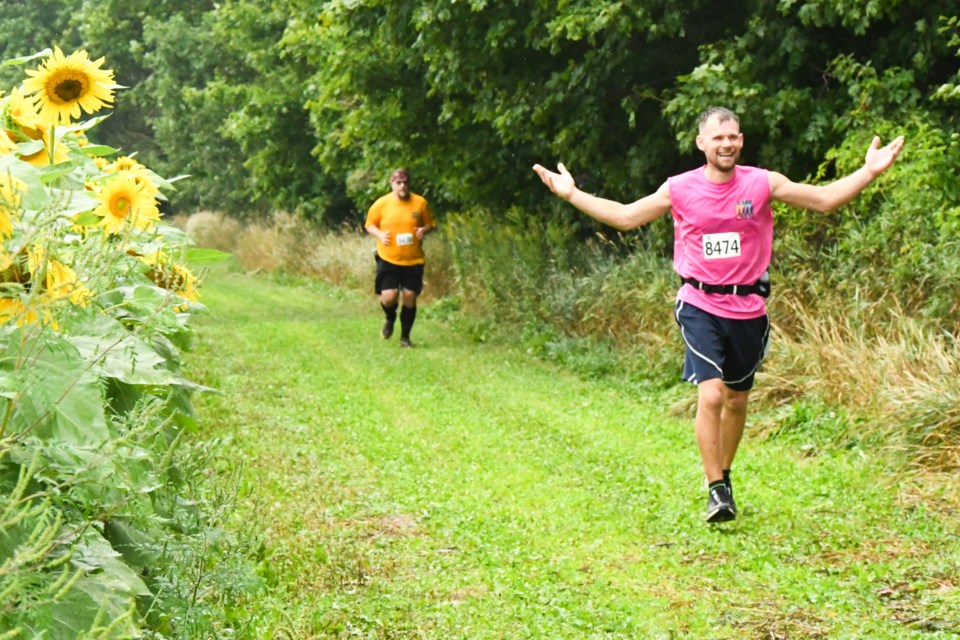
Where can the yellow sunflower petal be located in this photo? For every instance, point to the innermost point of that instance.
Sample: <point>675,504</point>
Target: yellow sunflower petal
<point>21,111</point>
<point>124,203</point>
<point>11,192</point>
<point>63,282</point>
<point>63,85</point>
<point>13,310</point>
<point>7,143</point>
<point>125,163</point>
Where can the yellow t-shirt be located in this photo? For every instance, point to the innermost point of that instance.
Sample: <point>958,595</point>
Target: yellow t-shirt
<point>401,218</point>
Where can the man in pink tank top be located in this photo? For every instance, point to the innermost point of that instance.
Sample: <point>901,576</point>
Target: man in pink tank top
<point>723,239</point>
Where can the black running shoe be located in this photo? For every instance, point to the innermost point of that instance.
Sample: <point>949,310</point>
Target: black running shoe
<point>733,502</point>
<point>387,330</point>
<point>720,505</point>
<point>726,479</point>
<point>405,343</point>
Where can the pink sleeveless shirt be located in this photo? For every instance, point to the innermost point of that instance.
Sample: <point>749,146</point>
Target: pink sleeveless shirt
<point>722,234</point>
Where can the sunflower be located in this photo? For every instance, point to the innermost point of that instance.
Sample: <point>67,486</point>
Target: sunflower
<point>184,284</point>
<point>125,202</point>
<point>22,123</point>
<point>64,84</point>
<point>62,282</point>
<point>41,158</point>
<point>126,164</point>
<point>172,277</point>
<point>7,145</point>
<point>20,112</point>
<point>13,310</point>
<point>36,257</point>
<point>11,191</point>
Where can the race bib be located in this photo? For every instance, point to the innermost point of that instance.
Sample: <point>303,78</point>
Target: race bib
<point>404,239</point>
<point>717,246</point>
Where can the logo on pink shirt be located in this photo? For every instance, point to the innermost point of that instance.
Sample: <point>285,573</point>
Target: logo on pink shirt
<point>744,209</point>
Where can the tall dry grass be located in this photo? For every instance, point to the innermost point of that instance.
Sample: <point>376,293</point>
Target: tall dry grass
<point>897,372</point>
<point>287,243</point>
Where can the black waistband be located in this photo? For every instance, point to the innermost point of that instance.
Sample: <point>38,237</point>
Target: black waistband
<point>760,287</point>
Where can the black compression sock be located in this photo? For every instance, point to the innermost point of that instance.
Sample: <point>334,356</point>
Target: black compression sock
<point>407,316</point>
<point>390,312</point>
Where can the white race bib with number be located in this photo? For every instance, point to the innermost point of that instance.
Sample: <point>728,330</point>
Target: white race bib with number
<point>717,246</point>
<point>404,239</point>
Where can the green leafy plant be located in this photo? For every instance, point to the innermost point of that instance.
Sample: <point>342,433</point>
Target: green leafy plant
<point>98,502</point>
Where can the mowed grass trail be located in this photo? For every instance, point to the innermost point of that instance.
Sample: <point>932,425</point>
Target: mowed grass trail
<point>461,490</point>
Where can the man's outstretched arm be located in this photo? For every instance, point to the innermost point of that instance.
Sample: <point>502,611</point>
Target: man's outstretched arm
<point>836,194</point>
<point>616,214</point>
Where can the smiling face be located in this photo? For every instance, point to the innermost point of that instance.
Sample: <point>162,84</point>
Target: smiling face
<point>721,141</point>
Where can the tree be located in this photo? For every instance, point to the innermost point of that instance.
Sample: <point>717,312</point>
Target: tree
<point>471,93</point>
<point>31,27</point>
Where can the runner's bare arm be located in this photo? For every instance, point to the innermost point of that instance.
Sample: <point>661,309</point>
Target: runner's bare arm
<point>836,194</point>
<point>616,214</point>
<point>382,236</point>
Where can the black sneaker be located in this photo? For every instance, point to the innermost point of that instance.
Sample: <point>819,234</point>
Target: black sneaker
<point>405,343</point>
<point>720,505</point>
<point>726,479</point>
<point>387,330</point>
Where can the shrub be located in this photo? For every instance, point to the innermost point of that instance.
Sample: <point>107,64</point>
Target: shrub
<point>213,230</point>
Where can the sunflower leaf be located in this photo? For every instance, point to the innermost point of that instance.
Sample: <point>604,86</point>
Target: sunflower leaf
<point>200,256</point>
<point>115,352</point>
<point>75,201</point>
<point>36,196</point>
<point>24,59</point>
<point>87,219</point>
<point>99,150</point>
<point>83,126</point>
<point>29,148</point>
<point>62,399</point>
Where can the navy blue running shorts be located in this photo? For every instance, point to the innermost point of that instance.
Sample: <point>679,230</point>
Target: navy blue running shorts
<point>395,276</point>
<point>716,347</point>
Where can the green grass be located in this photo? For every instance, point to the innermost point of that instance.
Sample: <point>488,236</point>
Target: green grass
<point>471,491</point>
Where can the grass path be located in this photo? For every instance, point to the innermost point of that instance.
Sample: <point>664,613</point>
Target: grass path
<point>465,491</point>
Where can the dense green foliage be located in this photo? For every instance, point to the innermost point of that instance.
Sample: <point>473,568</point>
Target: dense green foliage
<point>304,106</point>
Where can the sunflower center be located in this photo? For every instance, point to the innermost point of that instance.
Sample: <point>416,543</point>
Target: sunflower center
<point>68,88</point>
<point>121,207</point>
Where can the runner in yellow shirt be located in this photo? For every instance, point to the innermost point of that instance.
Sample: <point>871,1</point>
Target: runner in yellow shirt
<point>399,220</point>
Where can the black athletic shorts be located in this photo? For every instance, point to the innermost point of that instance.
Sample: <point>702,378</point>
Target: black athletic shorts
<point>395,276</point>
<point>716,347</point>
